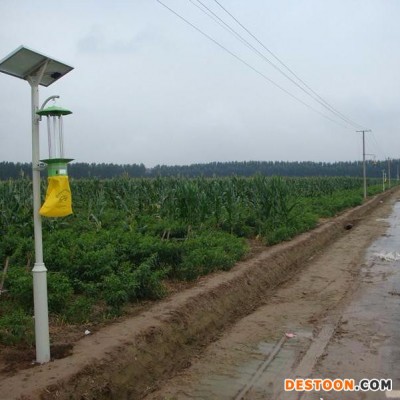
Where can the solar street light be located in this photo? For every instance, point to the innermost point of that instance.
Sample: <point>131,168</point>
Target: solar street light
<point>37,69</point>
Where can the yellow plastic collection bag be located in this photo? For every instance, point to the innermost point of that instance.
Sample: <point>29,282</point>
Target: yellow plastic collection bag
<point>58,201</point>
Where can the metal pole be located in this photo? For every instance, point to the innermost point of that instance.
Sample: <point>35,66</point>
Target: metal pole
<point>364,168</point>
<point>389,184</point>
<point>39,270</point>
<point>383,180</point>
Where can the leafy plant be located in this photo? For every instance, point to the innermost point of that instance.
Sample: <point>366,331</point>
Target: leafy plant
<point>128,235</point>
<point>79,310</point>
<point>16,327</point>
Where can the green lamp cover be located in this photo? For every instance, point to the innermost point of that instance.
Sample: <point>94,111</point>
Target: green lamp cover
<point>54,111</point>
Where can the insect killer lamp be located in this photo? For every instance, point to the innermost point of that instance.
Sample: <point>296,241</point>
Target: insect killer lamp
<point>58,202</point>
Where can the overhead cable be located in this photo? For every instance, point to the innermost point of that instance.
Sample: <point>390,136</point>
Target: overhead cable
<point>314,94</point>
<point>248,65</point>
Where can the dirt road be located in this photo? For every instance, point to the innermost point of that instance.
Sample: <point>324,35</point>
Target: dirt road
<point>337,318</point>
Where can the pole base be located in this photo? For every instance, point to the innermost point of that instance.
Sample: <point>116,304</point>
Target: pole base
<point>42,337</point>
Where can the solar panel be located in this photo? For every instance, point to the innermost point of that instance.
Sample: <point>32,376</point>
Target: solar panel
<point>24,62</point>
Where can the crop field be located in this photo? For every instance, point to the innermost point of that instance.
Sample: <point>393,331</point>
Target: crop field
<point>129,237</point>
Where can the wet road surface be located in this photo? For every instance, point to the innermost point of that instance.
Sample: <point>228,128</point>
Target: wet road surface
<point>339,318</point>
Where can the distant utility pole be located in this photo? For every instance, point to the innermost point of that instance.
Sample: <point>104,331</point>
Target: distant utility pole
<point>397,172</point>
<point>383,180</point>
<point>364,167</point>
<point>389,172</point>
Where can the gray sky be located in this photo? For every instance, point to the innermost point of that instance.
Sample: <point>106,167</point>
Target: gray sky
<point>148,88</point>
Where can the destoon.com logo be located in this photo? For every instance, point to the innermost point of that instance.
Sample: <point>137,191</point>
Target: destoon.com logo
<point>337,385</point>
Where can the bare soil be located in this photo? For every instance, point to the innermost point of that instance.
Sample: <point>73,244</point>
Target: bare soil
<point>133,357</point>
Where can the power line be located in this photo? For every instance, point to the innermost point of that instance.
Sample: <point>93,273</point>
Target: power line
<point>250,46</point>
<point>220,22</point>
<point>378,145</point>
<point>248,65</point>
<point>227,27</point>
<point>321,100</point>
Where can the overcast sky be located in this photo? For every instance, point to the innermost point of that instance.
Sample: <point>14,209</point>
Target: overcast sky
<point>148,88</point>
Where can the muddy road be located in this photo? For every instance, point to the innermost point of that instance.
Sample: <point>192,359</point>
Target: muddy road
<point>339,317</point>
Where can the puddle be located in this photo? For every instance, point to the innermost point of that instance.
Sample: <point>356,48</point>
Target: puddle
<point>367,344</point>
<point>259,374</point>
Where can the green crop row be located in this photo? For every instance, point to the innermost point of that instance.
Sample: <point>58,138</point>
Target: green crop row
<point>128,236</point>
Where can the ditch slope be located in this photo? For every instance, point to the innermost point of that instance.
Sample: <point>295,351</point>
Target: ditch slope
<point>128,360</point>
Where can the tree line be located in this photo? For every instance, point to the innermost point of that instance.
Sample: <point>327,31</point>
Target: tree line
<point>15,170</point>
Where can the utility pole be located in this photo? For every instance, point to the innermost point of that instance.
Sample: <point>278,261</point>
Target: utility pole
<point>383,180</point>
<point>364,166</point>
<point>389,172</point>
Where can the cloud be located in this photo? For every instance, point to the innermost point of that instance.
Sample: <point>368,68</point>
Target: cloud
<point>99,40</point>
<point>147,87</point>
